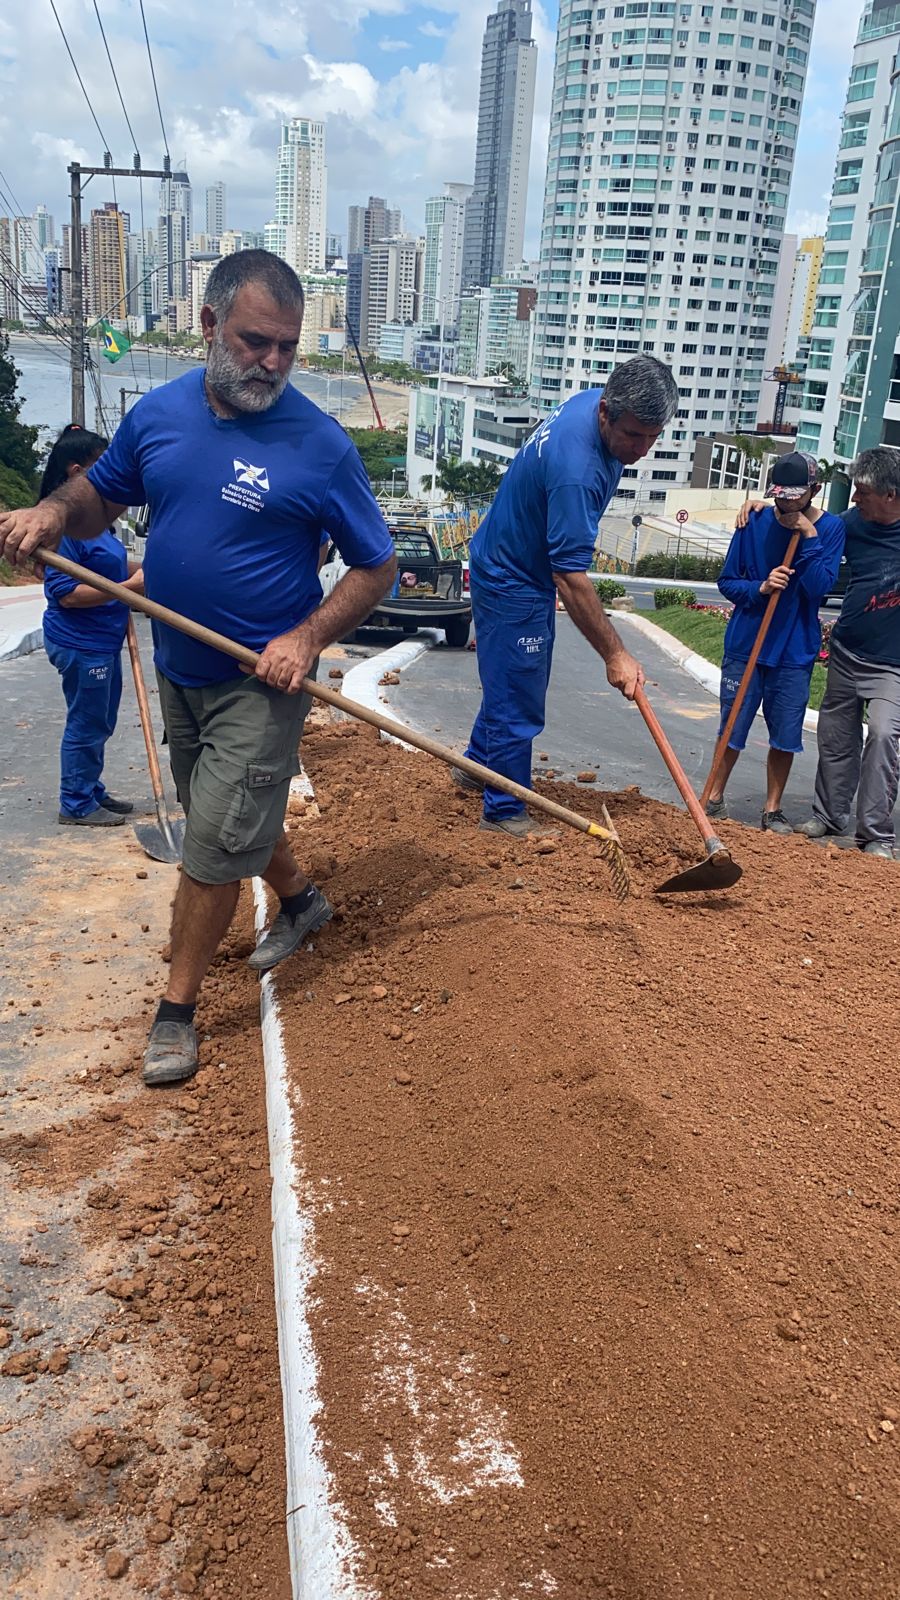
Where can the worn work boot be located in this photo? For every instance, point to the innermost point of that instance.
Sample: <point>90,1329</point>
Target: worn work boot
<point>463,781</point>
<point>171,1053</point>
<point>519,827</point>
<point>101,818</point>
<point>288,933</point>
<point>775,822</point>
<point>880,848</point>
<point>717,809</point>
<point>814,829</point>
<point>122,808</point>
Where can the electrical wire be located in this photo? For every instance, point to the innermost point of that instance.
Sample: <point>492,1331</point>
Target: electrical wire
<point>87,97</point>
<point>162,125</point>
<point>134,143</point>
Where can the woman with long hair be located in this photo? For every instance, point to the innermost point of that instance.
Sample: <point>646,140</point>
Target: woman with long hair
<point>83,636</point>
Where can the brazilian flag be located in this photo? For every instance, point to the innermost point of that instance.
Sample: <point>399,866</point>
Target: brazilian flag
<point>115,345</point>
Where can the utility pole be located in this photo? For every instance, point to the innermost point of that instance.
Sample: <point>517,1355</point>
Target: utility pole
<point>76,173</point>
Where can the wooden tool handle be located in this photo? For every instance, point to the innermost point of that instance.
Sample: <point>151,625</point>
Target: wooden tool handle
<point>679,775</point>
<point>250,658</point>
<point>140,690</point>
<point>749,670</point>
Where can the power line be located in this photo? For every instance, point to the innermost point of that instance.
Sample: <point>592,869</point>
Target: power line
<point>134,143</point>
<point>87,97</point>
<point>162,125</point>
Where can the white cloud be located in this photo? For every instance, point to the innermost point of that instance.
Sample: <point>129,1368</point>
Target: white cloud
<point>390,45</point>
<point>430,30</point>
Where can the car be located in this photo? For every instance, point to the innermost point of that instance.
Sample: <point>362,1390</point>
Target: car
<point>428,591</point>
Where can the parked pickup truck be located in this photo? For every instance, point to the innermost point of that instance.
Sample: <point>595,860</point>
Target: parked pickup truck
<point>427,593</point>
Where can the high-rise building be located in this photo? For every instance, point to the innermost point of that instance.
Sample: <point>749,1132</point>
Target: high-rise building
<point>495,327</point>
<point>334,250</point>
<point>392,285</point>
<point>790,328</point>
<point>107,257</point>
<point>216,219</point>
<point>844,404</point>
<point>43,227</point>
<point>140,264</point>
<point>365,224</point>
<point>175,229</point>
<point>495,214</point>
<point>672,140</point>
<point>66,268</point>
<point>298,231</point>
<point>445,221</point>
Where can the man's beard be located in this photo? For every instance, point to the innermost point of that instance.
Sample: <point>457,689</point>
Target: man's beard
<point>235,384</point>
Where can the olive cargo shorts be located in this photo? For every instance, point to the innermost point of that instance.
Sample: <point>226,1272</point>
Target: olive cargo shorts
<point>233,750</point>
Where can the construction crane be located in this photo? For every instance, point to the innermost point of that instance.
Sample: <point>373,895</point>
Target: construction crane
<point>362,368</point>
<point>784,377</point>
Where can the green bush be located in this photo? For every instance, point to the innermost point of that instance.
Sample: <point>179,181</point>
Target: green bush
<point>15,491</point>
<point>673,597</point>
<point>608,589</point>
<point>699,569</point>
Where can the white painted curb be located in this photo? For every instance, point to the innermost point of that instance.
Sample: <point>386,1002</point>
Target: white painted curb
<point>21,620</point>
<point>363,682</point>
<point>696,666</point>
<point>319,1547</point>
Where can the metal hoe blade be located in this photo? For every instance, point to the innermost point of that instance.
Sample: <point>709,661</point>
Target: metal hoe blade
<point>163,840</point>
<point>717,871</point>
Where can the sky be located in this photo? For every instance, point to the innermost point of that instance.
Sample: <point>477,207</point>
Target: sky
<point>397,84</point>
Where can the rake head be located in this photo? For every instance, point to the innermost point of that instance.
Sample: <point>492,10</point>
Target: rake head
<point>610,848</point>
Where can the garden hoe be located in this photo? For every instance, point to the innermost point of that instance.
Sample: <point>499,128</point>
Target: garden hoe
<point>165,842</point>
<point>610,844</point>
<point>718,870</point>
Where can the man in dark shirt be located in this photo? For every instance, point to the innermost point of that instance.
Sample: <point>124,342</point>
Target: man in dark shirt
<point>864,669</point>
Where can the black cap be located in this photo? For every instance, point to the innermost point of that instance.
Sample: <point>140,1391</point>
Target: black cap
<point>793,476</point>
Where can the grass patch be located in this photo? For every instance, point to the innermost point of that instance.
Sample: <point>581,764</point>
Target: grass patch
<point>705,634</point>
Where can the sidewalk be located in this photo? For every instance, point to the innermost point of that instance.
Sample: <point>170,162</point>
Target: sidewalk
<point>21,611</point>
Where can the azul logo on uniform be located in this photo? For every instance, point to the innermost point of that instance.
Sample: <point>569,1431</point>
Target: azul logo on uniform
<point>256,477</point>
<point>531,643</point>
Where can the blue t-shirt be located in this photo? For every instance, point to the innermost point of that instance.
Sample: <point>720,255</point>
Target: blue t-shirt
<point>238,507</point>
<point>869,623</point>
<point>794,635</point>
<point>95,630</point>
<point>547,509</point>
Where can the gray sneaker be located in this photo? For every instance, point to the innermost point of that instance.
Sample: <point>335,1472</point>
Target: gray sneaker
<point>171,1053</point>
<point>520,827</point>
<point>463,781</point>
<point>880,848</point>
<point>99,818</point>
<point>775,822</point>
<point>814,829</point>
<point>717,809</point>
<point>286,934</point>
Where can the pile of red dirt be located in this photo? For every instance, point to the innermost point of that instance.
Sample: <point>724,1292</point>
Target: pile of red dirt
<point>605,1200</point>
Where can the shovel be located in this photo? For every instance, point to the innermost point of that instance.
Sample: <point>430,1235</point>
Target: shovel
<point>718,870</point>
<point>163,843</point>
<point>610,845</point>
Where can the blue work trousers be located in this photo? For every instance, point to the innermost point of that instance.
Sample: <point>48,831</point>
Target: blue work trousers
<point>92,685</point>
<point>514,645</point>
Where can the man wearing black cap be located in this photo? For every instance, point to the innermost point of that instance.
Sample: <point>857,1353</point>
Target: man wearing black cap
<point>754,569</point>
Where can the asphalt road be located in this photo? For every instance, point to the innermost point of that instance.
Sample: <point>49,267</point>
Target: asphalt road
<point>589,725</point>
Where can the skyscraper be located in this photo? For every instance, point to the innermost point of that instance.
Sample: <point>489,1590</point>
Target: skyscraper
<point>365,224</point>
<point>392,285</point>
<point>298,231</point>
<point>445,221</point>
<point>854,322</point>
<point>107,262</point>
<point>495,214</point>
<point>672,139</point>
<point>175,229</point>
<point>216,220</point>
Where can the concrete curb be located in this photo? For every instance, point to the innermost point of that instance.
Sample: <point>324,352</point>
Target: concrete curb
<point>697,667</point>
<point>363,682</point>
<point>319,1547</point>
<point>21,620</point>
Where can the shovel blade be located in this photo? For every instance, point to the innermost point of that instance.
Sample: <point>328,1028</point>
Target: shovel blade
<point>716,871</point>
<point>161,842</point>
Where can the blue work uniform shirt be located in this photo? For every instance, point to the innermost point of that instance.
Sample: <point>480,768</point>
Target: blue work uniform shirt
<point>794,635</point>
<point>869,623</point>
<point>94,630</point>
<point>547,509</point>
<point>238,510</point>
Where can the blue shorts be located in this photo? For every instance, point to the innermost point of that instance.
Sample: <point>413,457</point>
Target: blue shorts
<point>783,693</point>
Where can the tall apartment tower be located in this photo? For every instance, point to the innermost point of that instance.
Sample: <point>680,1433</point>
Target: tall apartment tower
<point>298,233</point>
<point>392,285</point>
<point>495,214</point>
<point>365,224</point>
<point>445,221</point>
<point>216,217</point>
<point>672,139</point>
<point>107,257</point>
<point>852,329</point>
<point>174,231</point>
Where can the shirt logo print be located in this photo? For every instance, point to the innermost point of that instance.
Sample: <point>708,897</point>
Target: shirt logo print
<point>256,477</point>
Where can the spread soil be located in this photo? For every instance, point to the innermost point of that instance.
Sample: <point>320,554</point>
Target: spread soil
<point>605,1200</point>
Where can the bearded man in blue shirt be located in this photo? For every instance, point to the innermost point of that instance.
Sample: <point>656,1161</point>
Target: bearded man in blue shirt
<point>538,539</point>
<point>243,475</point>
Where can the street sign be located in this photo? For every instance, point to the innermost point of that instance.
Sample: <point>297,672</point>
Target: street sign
<point>681,516</point>
<point>636,520</point>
